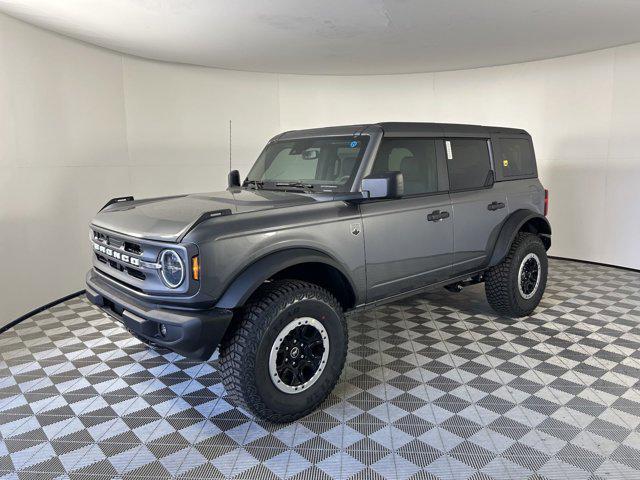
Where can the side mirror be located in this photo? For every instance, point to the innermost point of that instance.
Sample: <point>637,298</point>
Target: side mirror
<point>383,185</point>
<point>233,180</point>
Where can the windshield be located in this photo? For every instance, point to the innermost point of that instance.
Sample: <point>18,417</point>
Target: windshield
<point>316,164</point>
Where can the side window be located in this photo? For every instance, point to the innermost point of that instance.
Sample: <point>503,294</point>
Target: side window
<point>415,158</point>
<point>468,162</point>
<point>517,157</point>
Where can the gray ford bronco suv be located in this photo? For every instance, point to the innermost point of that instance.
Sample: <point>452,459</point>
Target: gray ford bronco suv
<point>328,221</point>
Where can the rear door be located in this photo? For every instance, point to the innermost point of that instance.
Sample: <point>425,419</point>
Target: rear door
<point>479,204</point>
<point>409,240</point>
<point>515,165</point>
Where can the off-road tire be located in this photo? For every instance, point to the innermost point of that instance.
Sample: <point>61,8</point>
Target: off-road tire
<point>501,281</point>
<point>245,349</point>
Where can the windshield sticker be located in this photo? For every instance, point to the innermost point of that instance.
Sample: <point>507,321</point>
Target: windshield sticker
<point>353,144</point>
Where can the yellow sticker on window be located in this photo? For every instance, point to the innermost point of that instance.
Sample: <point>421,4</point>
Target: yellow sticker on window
<point>505,163</point>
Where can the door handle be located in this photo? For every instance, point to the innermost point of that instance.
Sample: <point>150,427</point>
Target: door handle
<point>437,215</point>
<point>495,206</point>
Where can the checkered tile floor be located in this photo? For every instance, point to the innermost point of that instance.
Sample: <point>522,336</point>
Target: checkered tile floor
<point>436,386</point>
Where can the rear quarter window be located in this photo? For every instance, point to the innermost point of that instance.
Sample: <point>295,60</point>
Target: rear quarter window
<point>468,163</point>
<point>516,159</point>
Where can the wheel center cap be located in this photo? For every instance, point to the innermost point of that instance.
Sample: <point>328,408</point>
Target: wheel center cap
<point>295,351</point>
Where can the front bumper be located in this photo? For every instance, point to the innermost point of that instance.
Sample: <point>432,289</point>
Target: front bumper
<point>192,333</point>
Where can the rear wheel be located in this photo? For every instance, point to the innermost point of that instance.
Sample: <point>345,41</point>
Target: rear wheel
<point>515,286</point>
<point>286,353</point>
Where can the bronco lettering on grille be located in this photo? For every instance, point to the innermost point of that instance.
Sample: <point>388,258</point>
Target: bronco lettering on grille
<point>123,257</point>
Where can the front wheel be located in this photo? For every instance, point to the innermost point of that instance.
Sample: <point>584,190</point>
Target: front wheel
<point>286,353</point>
<point>515,286</point>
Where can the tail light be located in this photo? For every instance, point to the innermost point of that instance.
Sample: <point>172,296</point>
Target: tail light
<point>546,202</point>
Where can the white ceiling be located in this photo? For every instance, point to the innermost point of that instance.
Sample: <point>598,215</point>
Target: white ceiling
<point>340,36</point>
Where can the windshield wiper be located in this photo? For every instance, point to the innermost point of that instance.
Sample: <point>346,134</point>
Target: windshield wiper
<point>257,184</point>
<point>298,184</point>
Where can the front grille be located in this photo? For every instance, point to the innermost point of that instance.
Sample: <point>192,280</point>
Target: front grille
<point>119,244</point>
<point>122,268</point>
<point>132,261</point>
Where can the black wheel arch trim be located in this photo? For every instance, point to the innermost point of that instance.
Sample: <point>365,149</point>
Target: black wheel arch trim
<point>257,272</point>
<point>510,228</point>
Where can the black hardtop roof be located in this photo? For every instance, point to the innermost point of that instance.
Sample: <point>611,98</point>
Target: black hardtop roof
<point>404,129</point>
<point>447,128</point>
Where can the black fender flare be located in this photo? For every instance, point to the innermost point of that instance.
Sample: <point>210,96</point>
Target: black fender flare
<point>510,228</point>
<point>254,274</point>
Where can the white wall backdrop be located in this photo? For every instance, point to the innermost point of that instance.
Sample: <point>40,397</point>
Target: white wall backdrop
<point>178,124</point>
<point>79,125</point>
<point>63,145</point>
<point>583,112</point>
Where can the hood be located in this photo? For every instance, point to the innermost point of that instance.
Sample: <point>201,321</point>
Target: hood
<point>169,218</point>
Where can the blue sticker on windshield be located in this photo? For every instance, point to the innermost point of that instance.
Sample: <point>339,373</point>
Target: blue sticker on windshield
<point>353,144</point>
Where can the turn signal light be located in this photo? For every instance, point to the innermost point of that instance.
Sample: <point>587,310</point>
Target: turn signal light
<point>195,268</point>
<point>546,202</point>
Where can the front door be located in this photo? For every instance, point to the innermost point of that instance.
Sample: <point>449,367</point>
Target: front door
<point>409,240</point>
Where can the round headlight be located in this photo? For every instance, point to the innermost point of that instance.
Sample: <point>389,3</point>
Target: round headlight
<point>171,268</point>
